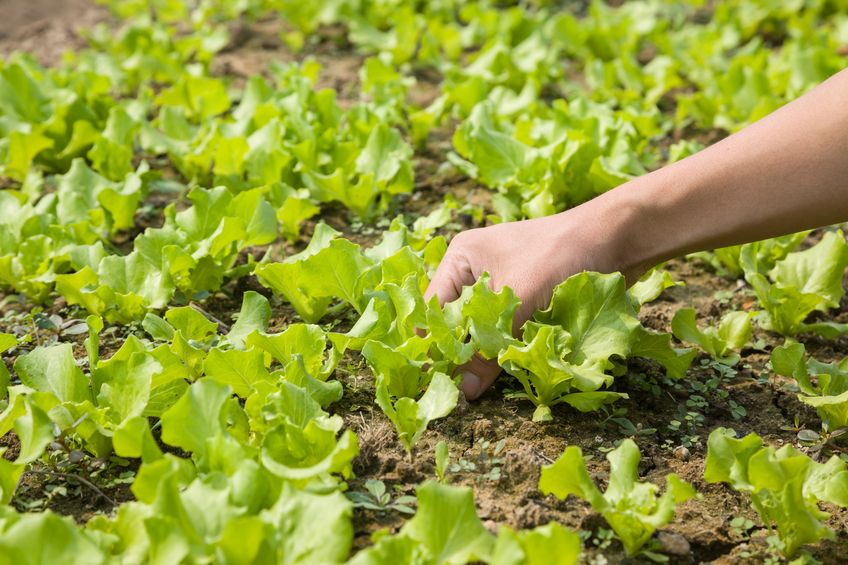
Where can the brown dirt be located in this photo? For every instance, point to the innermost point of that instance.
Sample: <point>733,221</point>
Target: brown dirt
<point>46,28</point>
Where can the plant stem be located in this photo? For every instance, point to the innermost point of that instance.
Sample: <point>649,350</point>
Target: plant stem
<point>81,480</point>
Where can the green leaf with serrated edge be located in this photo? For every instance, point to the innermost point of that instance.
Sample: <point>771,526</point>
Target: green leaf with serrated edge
<point>7,341</point>
<point>401,368</point>
<point>595,311</point>
<point>302,443</point>
<point>658,346</point>
<point>10,474</point>
<point>329,268</point>
<point>802,282</point>
<point>548,544</point>
<point>446,525</point>
<point>828,394</point>
<point>591,401</point>
<point>324,393</point>
<point>53,369</point>
<point>306,340</point>
<point>727,457</point>
<point>123,384</point>
<point>294,516</point>
<point>411,416</point>
<point>254,316</point>
<point>391,549</point>
<point>92,342</point>
<point>197,417</point>
<point>789,360</point>
<point>23,148</point>
<point>58,540</point>
<point>733,332</point>
<point>650,286</point>
<point>240,370</point>
<point>489,316</point>
<point>817,270</point>
<point>133,438</point>
<point>258,216</point>
<point>34,430</point>
<point>157,327</point>
<point>568,475</point>
<point>784,484</point>
<point>191,323</point>
<point>632,509</point>
<point>449,339</point>
<point>540,366</point>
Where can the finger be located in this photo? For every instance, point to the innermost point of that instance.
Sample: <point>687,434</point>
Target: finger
<point>451,275</point>
<point>478,375</point>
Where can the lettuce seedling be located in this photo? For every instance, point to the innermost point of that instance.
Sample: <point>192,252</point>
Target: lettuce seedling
<point>570,351</point>
<point>826,391</point>
<point>733,332</point>
<point>803,282</point>
<point>785,485</point>
<point>632,509</point>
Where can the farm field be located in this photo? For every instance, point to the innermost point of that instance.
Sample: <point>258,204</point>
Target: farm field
<point>217,223</point>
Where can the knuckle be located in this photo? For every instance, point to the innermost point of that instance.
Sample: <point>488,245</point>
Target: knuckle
<point>463,240</point>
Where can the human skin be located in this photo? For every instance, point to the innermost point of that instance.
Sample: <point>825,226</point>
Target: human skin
<point>785,173</point>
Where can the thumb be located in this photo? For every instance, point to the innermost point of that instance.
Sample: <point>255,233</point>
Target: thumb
<point>478,375</point>
<point>452,274</point>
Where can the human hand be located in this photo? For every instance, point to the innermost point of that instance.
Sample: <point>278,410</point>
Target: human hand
<point>531,257</point>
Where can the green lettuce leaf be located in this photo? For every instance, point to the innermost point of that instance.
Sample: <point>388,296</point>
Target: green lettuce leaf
<point>632,509</point>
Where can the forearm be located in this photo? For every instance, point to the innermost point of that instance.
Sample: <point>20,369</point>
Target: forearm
<point>785,173</point>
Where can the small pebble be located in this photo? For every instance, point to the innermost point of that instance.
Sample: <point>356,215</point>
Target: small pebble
<point>675,544</point>
<point>681,453</point>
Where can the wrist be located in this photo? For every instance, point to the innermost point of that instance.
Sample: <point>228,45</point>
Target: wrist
<point>616,231</point>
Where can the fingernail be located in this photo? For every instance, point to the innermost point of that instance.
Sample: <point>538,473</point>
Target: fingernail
<point>470,386</point>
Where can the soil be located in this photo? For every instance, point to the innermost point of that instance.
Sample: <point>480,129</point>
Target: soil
<point>493,443</point>
<point>46,28</point>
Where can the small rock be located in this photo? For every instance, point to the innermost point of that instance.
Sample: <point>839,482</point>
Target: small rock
<point>491,525</point>
<point>674,544</point>
<point>483,428</point>
<point>681,453</point>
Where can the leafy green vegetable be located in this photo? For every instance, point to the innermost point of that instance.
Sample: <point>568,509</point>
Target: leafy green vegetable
<point>445,529</point>
<point>53,369</point>
<point>632,509</point>
<point>568,354</point>
<point>826,391</point>
<point>802,282</point>
<point>411,416</point>
<point>330,267</point>
<point>733,332</point>
<point>784,484</point>
<point>538,546</point>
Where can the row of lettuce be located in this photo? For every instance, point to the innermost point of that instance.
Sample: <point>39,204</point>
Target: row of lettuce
<point>250,408</point>
<point>263,448</point>
<point>140,114</point>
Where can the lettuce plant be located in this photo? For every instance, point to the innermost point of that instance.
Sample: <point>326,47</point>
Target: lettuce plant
<point>784,484</point>
<point>631,508</point>
<point>733,332</point>
<point>571,350</point>
<point>447,530</point>
<point>798,285</point>
<point>824,386</point>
